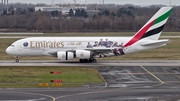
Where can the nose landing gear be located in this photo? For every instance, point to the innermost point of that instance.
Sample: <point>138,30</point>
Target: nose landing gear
<point>16,60</point>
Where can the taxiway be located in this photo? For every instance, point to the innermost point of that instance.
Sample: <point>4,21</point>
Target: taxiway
<point>99,63</point>
<point>123,83</point>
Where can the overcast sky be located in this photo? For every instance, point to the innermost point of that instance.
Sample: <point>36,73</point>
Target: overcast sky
<point>135,2</point>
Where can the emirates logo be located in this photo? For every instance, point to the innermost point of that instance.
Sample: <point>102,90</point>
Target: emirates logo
<point>25,44</point>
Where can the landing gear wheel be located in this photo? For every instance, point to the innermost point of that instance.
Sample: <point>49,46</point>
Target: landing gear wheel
<point>94,60</point>
<point>90,60</point>
<point>17,60</point>
<point>87,60</point>
<point>81,60</point>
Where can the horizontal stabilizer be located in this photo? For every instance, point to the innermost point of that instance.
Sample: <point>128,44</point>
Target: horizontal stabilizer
<point>155,43</point>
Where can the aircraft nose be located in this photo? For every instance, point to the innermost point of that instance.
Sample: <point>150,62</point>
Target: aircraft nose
<point>8,50</point>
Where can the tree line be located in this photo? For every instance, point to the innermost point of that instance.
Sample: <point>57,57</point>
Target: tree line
<point>128,18</point>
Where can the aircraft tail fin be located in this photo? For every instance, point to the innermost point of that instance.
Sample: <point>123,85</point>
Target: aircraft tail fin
<point>153,28</point>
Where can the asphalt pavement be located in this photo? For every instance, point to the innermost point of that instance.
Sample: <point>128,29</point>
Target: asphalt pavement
<point>123,83</point>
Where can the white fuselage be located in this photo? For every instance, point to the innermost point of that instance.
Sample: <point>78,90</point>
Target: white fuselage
<point>42,46</point>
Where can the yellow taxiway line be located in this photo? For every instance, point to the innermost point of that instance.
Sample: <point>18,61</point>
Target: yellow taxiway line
<point>152,74</point>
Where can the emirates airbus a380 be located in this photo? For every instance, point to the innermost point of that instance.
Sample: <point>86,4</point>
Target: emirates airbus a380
<point>86,49</point>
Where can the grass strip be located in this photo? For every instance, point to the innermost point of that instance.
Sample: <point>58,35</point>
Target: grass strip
<point>31,76</point>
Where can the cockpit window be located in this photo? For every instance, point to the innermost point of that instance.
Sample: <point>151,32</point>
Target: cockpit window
<point>12,45</point>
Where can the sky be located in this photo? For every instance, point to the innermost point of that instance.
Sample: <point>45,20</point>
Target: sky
<point>135,2</point>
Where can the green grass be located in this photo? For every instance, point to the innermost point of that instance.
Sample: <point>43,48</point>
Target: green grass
<point>32,76</point>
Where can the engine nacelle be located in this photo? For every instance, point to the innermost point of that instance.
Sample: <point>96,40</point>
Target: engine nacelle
<point>83,54</point>
<point>65,55</point>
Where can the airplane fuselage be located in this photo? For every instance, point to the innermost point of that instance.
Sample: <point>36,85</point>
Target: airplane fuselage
<point>42,46</point>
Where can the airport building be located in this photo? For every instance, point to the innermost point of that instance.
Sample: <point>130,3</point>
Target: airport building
<point>92,12</point>
<point>64,10</point>
<point>4,6</point>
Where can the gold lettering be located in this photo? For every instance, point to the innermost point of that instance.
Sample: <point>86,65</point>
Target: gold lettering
<point>78,43</point>
<point>54,45</point>
<point>50,44</point>
<point>46,44</point>
<point>31,44</point>
<point>57,44</point>
<point>74,43</point>
<point>39,44</point>
<point>62,44</point>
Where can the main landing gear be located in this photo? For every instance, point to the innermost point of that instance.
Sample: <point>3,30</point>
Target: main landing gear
<point>17,60</point>
<point>87,60</point>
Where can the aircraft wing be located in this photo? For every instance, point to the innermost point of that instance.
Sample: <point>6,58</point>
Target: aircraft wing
<point>98,50</point>
<point>155,43</point>
<point>95,50</point>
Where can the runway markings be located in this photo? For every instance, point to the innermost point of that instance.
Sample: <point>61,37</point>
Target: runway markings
<point>152,74</point>
<point>102,91</point>
<point>83,93</point>
<point>48,96</point>
<point>40,99</point>
<point>106,84</point>
<point>166,73</point>
<point>166,98</point>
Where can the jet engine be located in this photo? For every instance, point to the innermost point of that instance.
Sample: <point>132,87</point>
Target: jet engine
<point>65,55</point>
<point>83,54</point>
